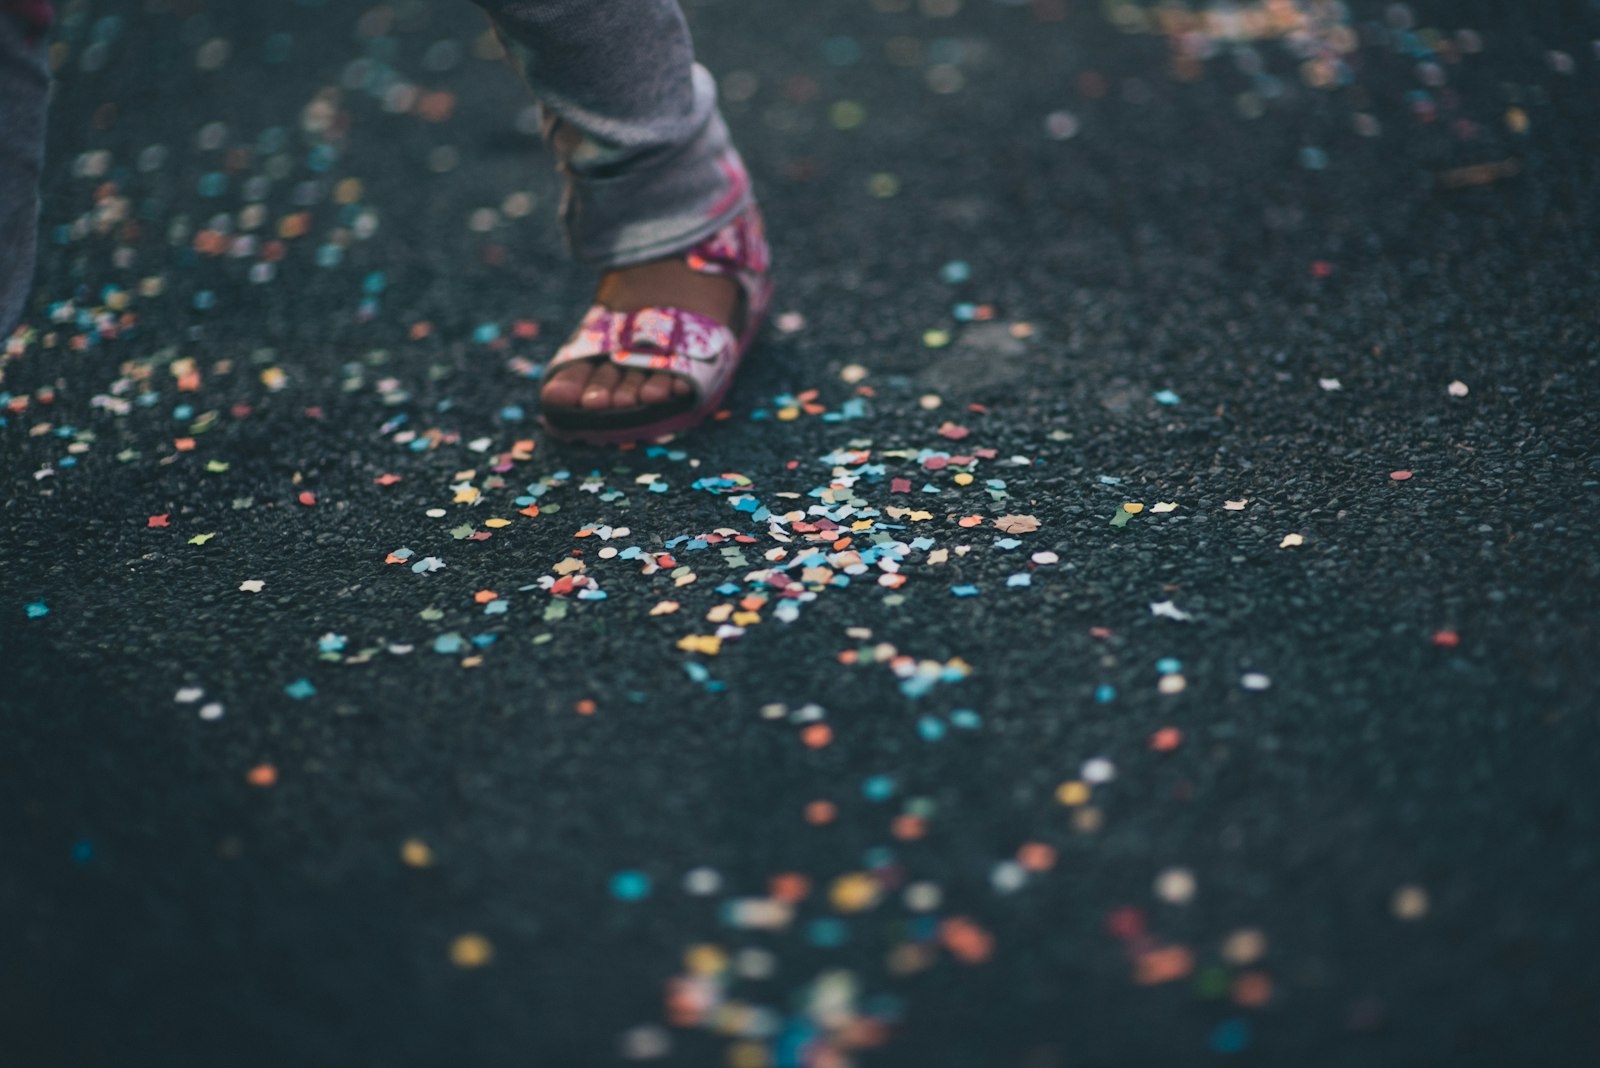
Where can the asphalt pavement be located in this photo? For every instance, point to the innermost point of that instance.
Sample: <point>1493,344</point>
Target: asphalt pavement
<point>1138,608</point>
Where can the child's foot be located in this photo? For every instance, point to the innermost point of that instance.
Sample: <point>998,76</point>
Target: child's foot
<point>663,283</point>
<point>658,349</point>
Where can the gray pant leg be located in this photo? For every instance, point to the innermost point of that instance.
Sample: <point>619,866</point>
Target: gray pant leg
<point>24,89</point>
<point>632,121</point>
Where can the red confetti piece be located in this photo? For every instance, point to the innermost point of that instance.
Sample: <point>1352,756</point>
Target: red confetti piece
<point>307,498</point>
<point>1399,476</point>
<point>1166,739</point>
<point>160,520</point>
<point>387,480</point>
<point>953,432</point>
<point>1446,639</point>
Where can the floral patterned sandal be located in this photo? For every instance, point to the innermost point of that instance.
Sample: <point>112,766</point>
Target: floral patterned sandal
<point>672,341</point>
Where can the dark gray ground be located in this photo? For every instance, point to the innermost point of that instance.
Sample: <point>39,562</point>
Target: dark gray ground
<point>1221,230</point>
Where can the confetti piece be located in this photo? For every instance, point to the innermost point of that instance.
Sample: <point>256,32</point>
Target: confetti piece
<point>201,539</point>
<point>414,853</point>
<point>1168,610</point>
<point>1018,524</point>
<point>1234,506</point>
<point>1164,507</point>
<point>159,520</point>
<point>1175,886</point>
<point>1409,903</point>
<point>1457,389</point>
<point>251,586</point>
<point>471,951</point>
<point>262,775</point>
<point>1400,476</point>
<point>36,610</point>
<point>1291,540</point>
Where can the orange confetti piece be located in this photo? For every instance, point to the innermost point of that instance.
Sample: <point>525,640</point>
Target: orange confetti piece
<point>789,886</point>
<point>908,828</point>
<point>1166,739</point>
<point>971,521</point>
<point>387,480</point>
<point>262,775</point>
<point>484,596</point>
<point>586,707</point>
<point>183,444</point>
<point>1252,990</point>
<point>821,813</point>
<point>1163,965</point>
<point>966,941</point>
<point>817,735</point>
<point>1036,856</point>
<point>307,498</point>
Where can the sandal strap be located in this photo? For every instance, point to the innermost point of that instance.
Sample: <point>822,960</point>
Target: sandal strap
<point>676,341</point>
<point>665,340</point>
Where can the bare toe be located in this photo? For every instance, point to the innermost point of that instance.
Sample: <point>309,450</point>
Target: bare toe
<point>626,395</point>
<point>597,394</point>
<point>564,388</point>
<point>656,389</point>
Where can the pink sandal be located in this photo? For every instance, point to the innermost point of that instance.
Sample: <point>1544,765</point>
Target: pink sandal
<point>672,341</point>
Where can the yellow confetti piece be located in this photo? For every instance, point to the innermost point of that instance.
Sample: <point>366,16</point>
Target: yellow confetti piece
<point>705,959</point>
<point>201,539</point>
<point>936,339</point>
<point>920,517</point>
<point>854,892</point>
<point>471,951</point>
<point>1133,507</point>
<point>497,523</point>
<point>963,479</point>
<point>746,619</point>
<point>788,415</point>
<point>414,852</point>
<point>719,614</point>
<point>1290,540</point>
<point>665,608</point>
<point>466,496</point>
<point>708,644</point>
<point>1072,793</point>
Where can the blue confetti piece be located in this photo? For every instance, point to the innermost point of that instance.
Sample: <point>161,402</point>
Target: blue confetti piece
<point>930,728</point>
<point>82,852</point>
<point>1166,396</point>
<point>1168,666</point>
<point>497,607</point>
<point>1020,579</point>
<point>1105,693</point>
<point>630,886</point>
<point>1006,543</point>
<point>955,272</point>
<point>300,689</point>
<point>964,591</point>
<point>1110,480</point>
<point>36,609</point>
<point>966,719</point>
<point>1230,1036</point>
<point>448,644</point>
<point>331,643</point>
<point>878,788</point>
<point>827,933</point>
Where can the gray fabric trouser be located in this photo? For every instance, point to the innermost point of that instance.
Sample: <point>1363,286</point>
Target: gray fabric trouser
<point>631,119</point>
<point>24,88</point>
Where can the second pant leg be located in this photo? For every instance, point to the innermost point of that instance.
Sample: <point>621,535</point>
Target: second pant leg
<point>632,121</point>
<point>24,91</point>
